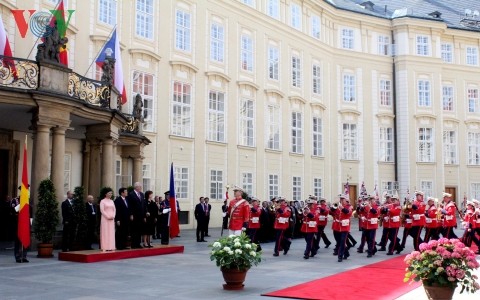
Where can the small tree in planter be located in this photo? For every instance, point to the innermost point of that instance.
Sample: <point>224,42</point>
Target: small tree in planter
<point>80,219</point>
<point>46,218</point>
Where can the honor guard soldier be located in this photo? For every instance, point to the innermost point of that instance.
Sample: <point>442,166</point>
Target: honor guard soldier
<point>371,212</point>
<point>323,211</point>
<point>362,219</point>
<point>309,227</point>
<point>254,222</point>
<point>431,220</point>
<point>341,214</point>
<point>418,219</point>
<point>282,216</point>
<point>407,221</point>
<point>385,223</point>
<point>449,218</point>
<point>239,212</point>
<point>393,212</point>
<point>469,223</point>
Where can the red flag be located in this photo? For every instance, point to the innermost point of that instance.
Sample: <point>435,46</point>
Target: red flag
<point>24,212</point>
<point>59,17</point>
<point>174,226</point>
<point>5,50</point>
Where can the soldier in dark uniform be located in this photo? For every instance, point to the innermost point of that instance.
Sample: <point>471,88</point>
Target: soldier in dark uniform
<point>19,251</point>
<point>164,219</point>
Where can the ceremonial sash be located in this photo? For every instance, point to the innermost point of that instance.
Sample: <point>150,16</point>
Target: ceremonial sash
<point>235,206</point>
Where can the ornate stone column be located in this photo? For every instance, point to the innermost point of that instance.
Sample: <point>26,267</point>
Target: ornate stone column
<point>107,163</point>
<point>86,166</point>
<point>40,159</point>
<point>137,170</point>
<point>58,161</point>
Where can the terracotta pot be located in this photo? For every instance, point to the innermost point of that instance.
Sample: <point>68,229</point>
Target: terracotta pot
<point>439,292</point>
<point>234,278</point>
<point>45,250</point>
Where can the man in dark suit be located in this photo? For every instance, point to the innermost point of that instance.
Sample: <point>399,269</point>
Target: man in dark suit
<point>91,210</point>
<point>207,213</point>
<point>68,222</point>
<point>201,217</point>
<point>122,219</point>
<point>136,203</point>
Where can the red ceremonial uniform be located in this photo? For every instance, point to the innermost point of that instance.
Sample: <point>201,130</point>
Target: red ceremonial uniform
<point>310,224</point>
<point>239,213</point>
<point>371,215</point>
<point>254,222</point>
<point>282,217</point>
<point>418,214</point>
<point>470,218</point>
<point>362,218</point>
<point>408,220</point>
<point>450,220</point>
<point>335,213</point>
<point>322,215</point>
<point>431,217</point>
<point>393,214</point>
<point>344,216</point>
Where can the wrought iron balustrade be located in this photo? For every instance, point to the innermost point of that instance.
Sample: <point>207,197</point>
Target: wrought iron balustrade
<point>18,73</point>
<point>92,91</point>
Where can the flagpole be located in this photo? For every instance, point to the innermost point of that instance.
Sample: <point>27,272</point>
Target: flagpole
<point>98,53</point>
<point>36,41</point>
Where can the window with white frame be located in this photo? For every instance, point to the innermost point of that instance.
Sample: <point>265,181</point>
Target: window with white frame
<point>386,144</point>
<point>273,128</point>
<point>273,8</point>
<point>216,184</point>
<point>427,188</point>
<point>423,45</point>
<point>217,42</point>
<point>295,16</point>
<point>247,124</point>
<point>349,88</point>
<point>385,92</point>
<point>249,2</point>
<point>297,132</point>
<point>383,44</point>
<point>425,145</point>
<point>297,188</point>
<point>147,177</point>
<point>424,93</point>
<point>246,54</point>
<point>473,141</point>
<point>144,19</point>
<point>118,174</point>
<point>317,187</point>
<point>143,85</point>
<point>181,109</point>
<point>315,26</point>
<point>273,61</point>
<point>447,97</point>
<point>475,190</point>
<point>107,11</point>
<point>473,102</point>
<point>247,183</point>
<point>296,71</point>
<point>181,182</point>
<point>349,141</point>
<point>347,38</point>
<point>182,30</point>
<point>317,136</point>
<point>216,116</point>
<point>472,56</point>
<point>449,147</point>
<point>316,80</point>
<point>67,173</point>
<point>389,187</point>
<point>273,190</point>
<point>447,53</point>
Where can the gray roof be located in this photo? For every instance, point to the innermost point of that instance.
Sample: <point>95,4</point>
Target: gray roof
<point>459,14</point>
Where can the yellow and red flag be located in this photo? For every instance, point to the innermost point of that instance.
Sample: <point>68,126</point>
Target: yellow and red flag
<point>62,24</point>
<point>24,212</point>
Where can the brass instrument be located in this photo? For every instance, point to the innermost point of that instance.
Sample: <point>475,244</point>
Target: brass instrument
<point>335,205</point>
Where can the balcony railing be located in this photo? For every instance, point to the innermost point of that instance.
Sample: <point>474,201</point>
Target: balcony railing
<point>18,73</point>
<point>91,91</point>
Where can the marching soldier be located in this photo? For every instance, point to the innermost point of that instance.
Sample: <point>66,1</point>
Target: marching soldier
<point>407,221</point>
<point>431,221</point>
<point>393,212</point>
<point>385,222</point>
<point>362,219</point>
<point>418,219</point>
<point>449,219</point>
<point>309,227</point>
<point>282,216</point>
<point>341,226</point>
<point>371,212</point>
<point>254,222</point>
<point>470,224</point>
<point>239,212</point>
<point>323,211</point>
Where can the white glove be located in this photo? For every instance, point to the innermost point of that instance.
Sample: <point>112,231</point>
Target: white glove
<point>166,210</point>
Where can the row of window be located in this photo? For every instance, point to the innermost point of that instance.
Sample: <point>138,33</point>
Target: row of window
<point>217,185</point>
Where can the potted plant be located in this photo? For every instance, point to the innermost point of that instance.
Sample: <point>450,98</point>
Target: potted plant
<point>46,218</point>
<point>235,255</point>
<point>442,266</point>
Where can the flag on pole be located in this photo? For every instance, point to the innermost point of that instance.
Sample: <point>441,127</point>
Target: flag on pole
<point>24,211</point>
<point>5,49</point>
<point>174,226</point>
<point>59,17</point>
<point>346,190</point>
<point>363,190</point>
<point>375,191</point>
<point>114,45</point>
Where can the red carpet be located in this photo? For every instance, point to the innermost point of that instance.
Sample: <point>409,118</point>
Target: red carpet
<point>378,281</point>
<point>89,256</point>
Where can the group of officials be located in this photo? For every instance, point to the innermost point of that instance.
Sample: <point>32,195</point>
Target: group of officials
<point>437,217</point>
<point>137,215</point>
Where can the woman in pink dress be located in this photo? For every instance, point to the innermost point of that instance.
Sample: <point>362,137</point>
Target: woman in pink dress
<point>107,224</point>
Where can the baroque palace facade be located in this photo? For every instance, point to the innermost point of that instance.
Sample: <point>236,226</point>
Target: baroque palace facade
<point>281,97</point>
